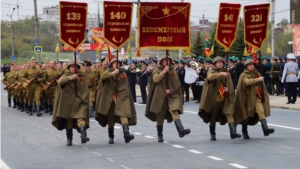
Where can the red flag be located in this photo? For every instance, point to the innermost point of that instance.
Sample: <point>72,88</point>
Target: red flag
<point>109,54</point>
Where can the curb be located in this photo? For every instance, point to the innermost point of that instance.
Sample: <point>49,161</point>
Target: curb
<point>283,107</point>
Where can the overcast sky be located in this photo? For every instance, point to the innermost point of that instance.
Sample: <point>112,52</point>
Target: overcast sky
<point>199,7</point>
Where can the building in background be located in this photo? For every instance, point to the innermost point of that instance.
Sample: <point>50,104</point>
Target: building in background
<point>295,11</point>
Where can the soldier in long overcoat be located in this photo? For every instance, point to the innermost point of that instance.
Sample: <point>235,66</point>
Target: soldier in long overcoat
<point>71,104</point>
<point>216,104</point>
<point>115,105</point>
<point>165,102</point>
<point>251,102</point>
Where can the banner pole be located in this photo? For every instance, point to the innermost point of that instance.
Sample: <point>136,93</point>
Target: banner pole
<point>75,80</point>
<point>261,83</point>
<point>117,76</point>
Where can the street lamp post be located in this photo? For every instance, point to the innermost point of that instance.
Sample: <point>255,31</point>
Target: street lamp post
<point>12,34</point>
<point>291,43</point>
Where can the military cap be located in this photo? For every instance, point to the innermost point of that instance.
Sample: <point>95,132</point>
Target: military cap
<point>154,60</point>
<point>113,60</point>
<point>145,63</point>
<point>291,56</point>
<point>176,61</point>
<point>275,58</point>
<point>170,60</point>
<point>72,62</point>
<point>87,62</point>
<point>248,61</point>
<point>182,62</point>
<point>218,58</point>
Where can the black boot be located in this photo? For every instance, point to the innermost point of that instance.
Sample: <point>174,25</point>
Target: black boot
<point>50,108</point>
<point>232,129</point>
<point>245,131</point>
<point>83,136</point>
<point>18,106</point>
<point>127,135</point>
<point>15,103</point>
<point>9,102</point>
<point>91,111</point>
<point>22,107</point>
<point>46,108</point>
<point>111,135</point>
<point>69,137</point>
<point>265,127</point>
<point>159,134</point>
<point>34,107</point>
<point>38,109</point>
<point>25,107</point>
<point>212,130</point>
<point>181,131</point>
<point>30,110</point>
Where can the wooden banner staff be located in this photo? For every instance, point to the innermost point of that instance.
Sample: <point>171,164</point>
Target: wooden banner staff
<point>261,83</point>
<point>167,75</point>
<point>117,76</point>
<point>75,80</point>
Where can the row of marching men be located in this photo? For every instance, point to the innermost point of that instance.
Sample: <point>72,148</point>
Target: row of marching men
<point>115,104</point>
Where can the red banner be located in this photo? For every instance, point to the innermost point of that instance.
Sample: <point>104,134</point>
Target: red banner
<point>117,22</point>
<point>164,25</point>
<point>256,24</point>
<point>227,24</point>
<point>72,23</point>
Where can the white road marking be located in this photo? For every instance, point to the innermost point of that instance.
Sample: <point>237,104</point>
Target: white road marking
<point>124,167</point>
<point>215,158</point>
<point>58,135</point>
<point>149,137</point>
<point>226,133</point>
<point>3,165</point>
<point>92,120</point>
<point>137,133</point>
<point>195,151</point>
<point>97,154</point>
<point>110,160</point>
<point>51,132</point>
<point>33,124</point>
<point>288,147</point>
<point>190,112</point>
<point>237,165</point>
<point>117,127</point>
<point>264,142</point>
<point>39,127</point>
<point>177,146</point>
<point>286,127</point>
<point>165,141</point>
<point>76,143</point>
<point>45,129</point>
<point>197,127</point>
<point>86,148</point>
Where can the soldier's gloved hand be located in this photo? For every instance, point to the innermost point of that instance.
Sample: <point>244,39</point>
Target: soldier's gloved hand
<point>75,76</point>
<point>224,74</point>
<point>260,78</point>
<point>166,69</point>
<point>116,71</point>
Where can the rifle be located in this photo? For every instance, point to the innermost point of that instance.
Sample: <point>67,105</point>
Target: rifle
<point>6,87</point>
<point>25,85</point>
<point>18,86</point>
<point>12,86</point>
<point>45,87</point>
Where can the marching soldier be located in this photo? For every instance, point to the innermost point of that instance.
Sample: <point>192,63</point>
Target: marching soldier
<point>251,104</point>
<point>8,80</point>
<point>32,77</point>
<point>267,67</point>
<point>181,73</point>
<point>114,103</point>
<point>131,73</point>
<point>91,80</point>
<point>64,68</point>
<point>275,76</point>
<point>51,75</point>
<point>165,101</point>
<point>289,75</point>
<point>71,104</point>
<point>239,70</point>
<point>202,77</point>
<point>143,82</point>
<point>218,103</point>
<point>232,71</point>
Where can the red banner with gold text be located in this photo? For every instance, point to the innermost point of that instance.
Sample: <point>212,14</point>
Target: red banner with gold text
<point>117,22</point>
<point>256,24</point>
<point>164,25</point>
<point>72,23</point>
<point>227,24</point>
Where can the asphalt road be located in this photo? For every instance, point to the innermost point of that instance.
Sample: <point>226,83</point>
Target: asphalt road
<point>32,142</point>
